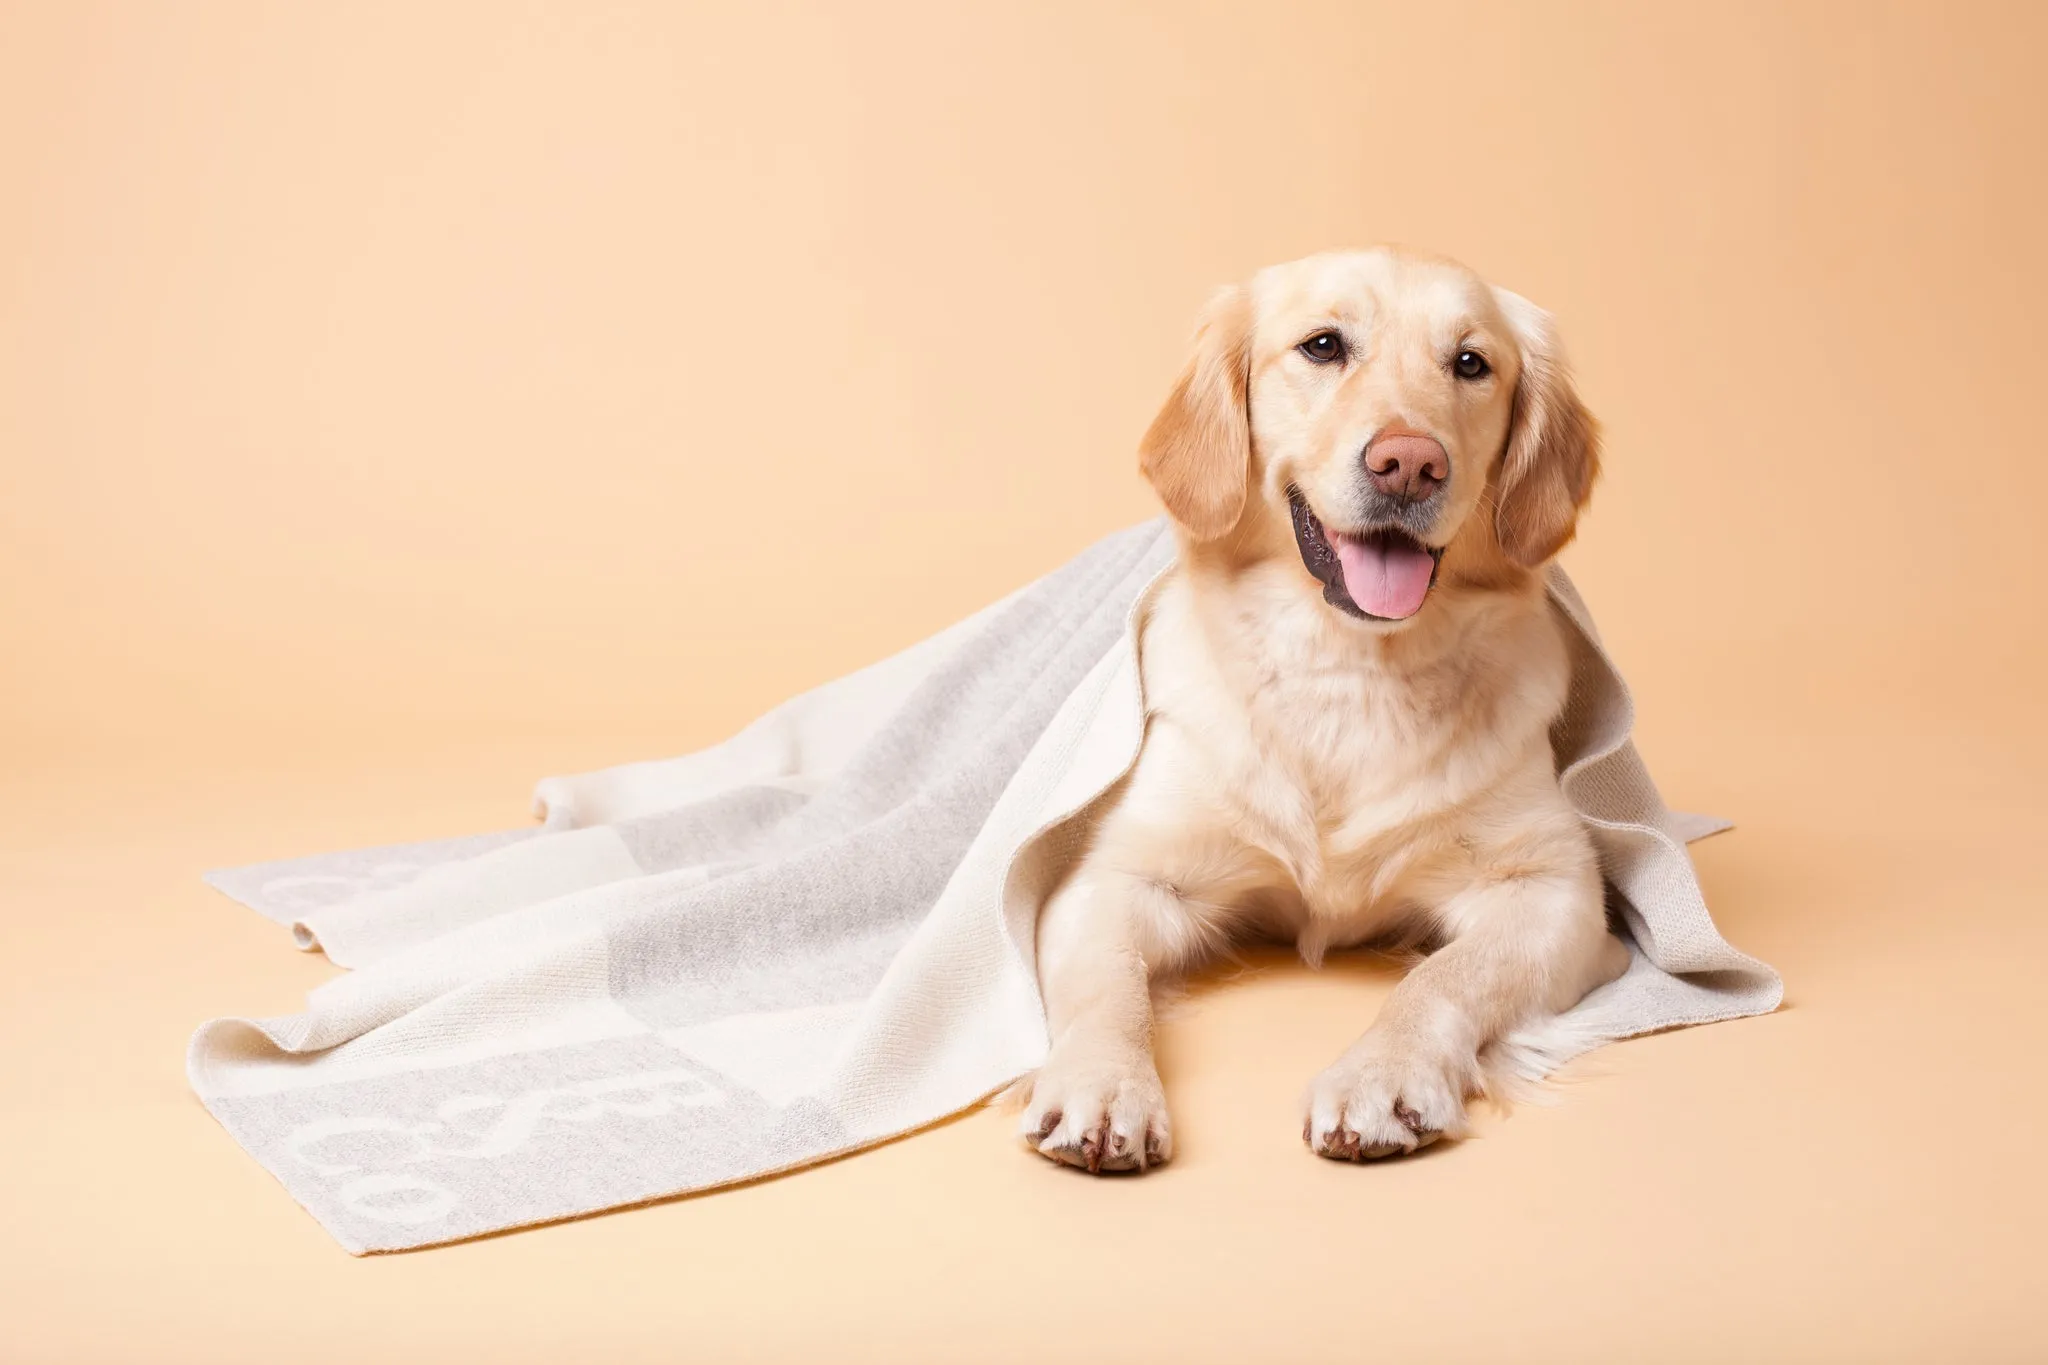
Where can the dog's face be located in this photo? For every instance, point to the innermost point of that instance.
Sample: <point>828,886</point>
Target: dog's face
<point>1396,418</point>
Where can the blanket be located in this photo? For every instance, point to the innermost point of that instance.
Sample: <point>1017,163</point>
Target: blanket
<point>808,939</point>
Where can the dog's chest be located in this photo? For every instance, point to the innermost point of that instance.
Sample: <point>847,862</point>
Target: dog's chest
<point>1354,773</point>
<point>1339,772</point>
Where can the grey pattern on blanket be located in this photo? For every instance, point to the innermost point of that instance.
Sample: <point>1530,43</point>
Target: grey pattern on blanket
<point>794,905</point>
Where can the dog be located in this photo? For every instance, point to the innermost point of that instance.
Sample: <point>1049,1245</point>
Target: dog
<point>1350,675</point>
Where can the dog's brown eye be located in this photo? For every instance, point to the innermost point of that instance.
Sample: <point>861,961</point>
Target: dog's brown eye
<point>1471,365</point>
<point>1323,347</point>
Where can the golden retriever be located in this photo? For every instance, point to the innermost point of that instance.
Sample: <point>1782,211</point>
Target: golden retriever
<point>1350,676</point>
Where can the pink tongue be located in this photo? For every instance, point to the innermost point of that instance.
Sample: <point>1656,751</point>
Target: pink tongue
<point>1385,578</point>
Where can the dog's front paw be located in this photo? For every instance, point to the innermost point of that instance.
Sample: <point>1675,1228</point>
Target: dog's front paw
<point>1386,1098</point>
<point>1100,1113</point>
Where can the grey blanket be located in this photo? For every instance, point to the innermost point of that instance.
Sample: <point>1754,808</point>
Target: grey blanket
<point>803,941</point>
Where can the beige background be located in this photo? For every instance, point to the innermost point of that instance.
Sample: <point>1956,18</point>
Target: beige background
<point>401,402</point>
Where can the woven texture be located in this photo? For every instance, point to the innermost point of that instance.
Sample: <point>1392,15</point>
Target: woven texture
<point>808,939</point>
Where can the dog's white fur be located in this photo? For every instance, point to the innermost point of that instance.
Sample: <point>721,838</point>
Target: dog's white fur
<point>1315,777</point>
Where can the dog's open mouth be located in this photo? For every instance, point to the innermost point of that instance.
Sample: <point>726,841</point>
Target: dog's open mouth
<point>1381,575</point>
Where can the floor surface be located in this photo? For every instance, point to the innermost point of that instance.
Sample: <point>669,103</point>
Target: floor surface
<point>1856,1177</point>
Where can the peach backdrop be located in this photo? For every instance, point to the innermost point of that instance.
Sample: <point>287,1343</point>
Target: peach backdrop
<point>399,402</point>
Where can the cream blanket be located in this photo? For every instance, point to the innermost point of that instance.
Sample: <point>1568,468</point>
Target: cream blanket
<point>803,941</point>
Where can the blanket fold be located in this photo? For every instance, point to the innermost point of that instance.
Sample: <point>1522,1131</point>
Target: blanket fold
<point>805,940</point>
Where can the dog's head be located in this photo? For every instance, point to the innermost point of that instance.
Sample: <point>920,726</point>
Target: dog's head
<point>1396,417</point>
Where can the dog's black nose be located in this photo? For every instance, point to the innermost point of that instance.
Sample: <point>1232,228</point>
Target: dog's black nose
<point>1406,464</point>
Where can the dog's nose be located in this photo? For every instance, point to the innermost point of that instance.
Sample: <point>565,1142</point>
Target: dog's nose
<point>1406,464</point>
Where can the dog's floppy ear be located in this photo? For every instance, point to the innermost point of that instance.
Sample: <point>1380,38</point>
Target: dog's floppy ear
<point>1198,450</point>
<point>1553,448</point>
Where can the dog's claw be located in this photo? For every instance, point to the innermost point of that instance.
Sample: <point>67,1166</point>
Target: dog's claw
<point>1343,1143</point>
<point>1410,1120</point>
<point>1103,1149</point>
